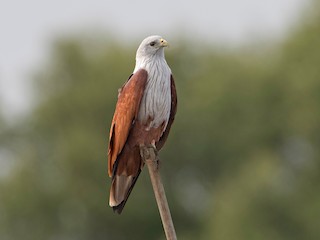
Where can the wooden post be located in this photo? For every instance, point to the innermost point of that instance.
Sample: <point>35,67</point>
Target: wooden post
<point>149,156</point>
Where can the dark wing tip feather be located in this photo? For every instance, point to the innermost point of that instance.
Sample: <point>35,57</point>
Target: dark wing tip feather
<point>118,209</point>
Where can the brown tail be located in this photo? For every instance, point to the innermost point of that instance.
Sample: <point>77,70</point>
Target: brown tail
<point>120,191</point>
<point>126,171</point>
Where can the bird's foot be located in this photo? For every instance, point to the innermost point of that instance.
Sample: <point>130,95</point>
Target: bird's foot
<point>150,152</point>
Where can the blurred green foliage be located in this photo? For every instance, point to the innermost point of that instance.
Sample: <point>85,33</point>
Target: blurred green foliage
<point>241,162</point>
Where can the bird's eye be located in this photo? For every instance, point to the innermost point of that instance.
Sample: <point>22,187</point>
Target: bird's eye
<point>152,44</point>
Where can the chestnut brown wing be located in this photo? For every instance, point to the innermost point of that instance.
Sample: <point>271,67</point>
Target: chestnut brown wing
<point>126,112</point>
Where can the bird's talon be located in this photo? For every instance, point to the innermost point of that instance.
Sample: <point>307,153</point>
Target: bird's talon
<point>150,152</point>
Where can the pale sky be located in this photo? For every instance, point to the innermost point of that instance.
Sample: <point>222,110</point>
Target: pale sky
<point>27,28</point>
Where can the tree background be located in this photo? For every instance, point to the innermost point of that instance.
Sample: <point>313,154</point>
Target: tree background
<point>241,162</point>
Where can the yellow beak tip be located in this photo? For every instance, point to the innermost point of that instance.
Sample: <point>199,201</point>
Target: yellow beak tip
<point>164,43</point>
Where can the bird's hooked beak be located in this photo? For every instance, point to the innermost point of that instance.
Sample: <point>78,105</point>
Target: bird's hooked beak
<point>163,43</point>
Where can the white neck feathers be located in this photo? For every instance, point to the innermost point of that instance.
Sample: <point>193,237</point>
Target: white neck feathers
<point>156,101</point>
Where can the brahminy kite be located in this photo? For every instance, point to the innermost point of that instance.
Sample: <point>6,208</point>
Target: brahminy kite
<point>145,110</point>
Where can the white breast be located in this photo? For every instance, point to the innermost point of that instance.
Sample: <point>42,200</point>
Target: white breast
<point>156,101</point>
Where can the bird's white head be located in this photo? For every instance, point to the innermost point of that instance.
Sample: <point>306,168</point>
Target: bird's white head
<point>151,46</point>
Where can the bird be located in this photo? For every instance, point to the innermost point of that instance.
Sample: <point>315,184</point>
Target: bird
<point>144,112</point>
